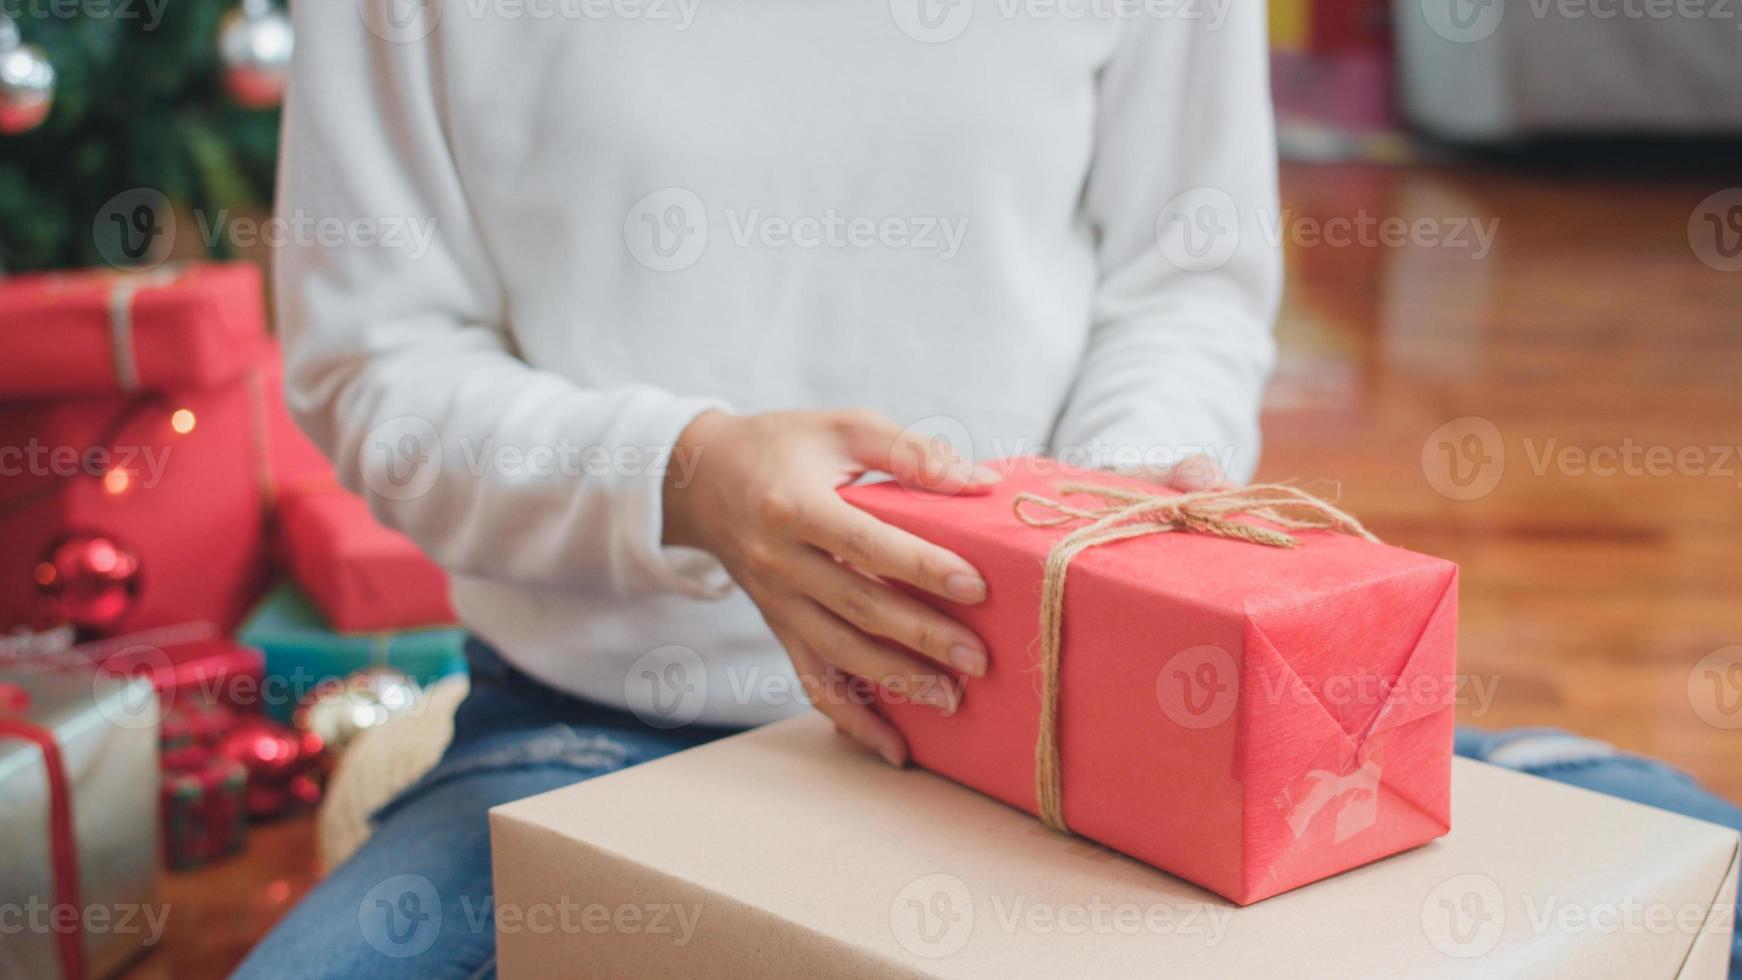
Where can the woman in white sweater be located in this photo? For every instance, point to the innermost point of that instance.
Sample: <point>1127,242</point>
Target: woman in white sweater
<point>612,298</point>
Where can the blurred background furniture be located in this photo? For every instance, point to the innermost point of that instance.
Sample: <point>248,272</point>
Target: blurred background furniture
<point>1489,70</point>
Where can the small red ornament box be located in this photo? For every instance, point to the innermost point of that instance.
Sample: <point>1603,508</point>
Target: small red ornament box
<point>1248,718</point>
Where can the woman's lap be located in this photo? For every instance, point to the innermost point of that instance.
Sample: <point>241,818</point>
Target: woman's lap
<point>416,900</point>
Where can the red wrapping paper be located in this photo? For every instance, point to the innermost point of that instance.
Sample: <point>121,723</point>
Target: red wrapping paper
<point>1248,718</point>
<point>294,463</point>
<point>196,326</point>
<point>363,576</point>
<point>189,505</point>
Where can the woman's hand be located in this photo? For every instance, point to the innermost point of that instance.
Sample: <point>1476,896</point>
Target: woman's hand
<point>762,499</point>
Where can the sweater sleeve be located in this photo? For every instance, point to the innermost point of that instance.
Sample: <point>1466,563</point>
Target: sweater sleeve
<point>400,363</point>
<point>1181,194</point>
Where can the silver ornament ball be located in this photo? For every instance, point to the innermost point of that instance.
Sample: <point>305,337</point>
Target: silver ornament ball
<point>255,42</point>
<point>343,708</point>
<point>26,82</point>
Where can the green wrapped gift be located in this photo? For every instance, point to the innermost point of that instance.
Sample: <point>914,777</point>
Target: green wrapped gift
<point>302,650</point>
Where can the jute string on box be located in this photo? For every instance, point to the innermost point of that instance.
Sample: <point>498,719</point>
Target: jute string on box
<point>1125,513</point>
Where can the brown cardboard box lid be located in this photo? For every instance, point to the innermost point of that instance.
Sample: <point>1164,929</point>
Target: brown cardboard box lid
<point>785,852</point>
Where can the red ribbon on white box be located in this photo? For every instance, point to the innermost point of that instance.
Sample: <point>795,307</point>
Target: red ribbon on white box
<point>63,845</point>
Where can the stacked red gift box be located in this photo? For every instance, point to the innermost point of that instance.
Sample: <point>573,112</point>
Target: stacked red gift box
<point>151,483</point>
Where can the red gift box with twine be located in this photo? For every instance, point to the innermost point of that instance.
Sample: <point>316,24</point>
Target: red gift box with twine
<point>1241,688</point>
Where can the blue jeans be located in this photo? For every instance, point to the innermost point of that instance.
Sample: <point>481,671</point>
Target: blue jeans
<point>416,900</point>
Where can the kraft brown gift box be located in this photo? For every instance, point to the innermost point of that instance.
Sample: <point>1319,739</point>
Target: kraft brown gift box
<point>787,853</point>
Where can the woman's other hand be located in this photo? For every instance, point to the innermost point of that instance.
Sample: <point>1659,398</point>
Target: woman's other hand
<point>762,499</point>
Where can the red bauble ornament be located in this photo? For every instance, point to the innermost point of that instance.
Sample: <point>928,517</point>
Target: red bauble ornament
<point>285,767</point>
<point>88,580</point>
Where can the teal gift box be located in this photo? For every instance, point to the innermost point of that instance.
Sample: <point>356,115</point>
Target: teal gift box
<point>302,650</point>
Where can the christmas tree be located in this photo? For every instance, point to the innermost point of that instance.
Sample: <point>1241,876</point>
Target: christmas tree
<point>150,97</point>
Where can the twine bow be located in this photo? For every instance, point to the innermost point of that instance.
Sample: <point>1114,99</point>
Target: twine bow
<point>1125,513</point>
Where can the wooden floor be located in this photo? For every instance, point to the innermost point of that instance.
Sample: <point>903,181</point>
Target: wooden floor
<point>1590,597</point>
<point>1592,590</point>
